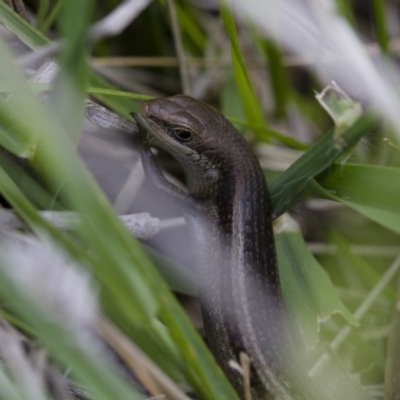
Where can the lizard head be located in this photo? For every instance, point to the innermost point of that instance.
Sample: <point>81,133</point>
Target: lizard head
<point>196,134</point>
<point>182,122</point>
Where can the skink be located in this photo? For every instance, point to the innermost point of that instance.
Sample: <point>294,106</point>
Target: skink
<point>228,211</point>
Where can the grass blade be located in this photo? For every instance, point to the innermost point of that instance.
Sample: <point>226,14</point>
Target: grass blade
<point>319,157</point>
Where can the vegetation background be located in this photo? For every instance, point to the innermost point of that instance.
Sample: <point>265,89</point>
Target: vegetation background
<point>332,163</point>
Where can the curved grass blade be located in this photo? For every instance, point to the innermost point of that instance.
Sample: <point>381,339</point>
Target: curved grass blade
<point>133,293</point>
<point>35,39</point>
<point>369,189</point>
<point>309,293</point>
<point>247,95</point>
<point>319,157</point>
<point>26,32</point>
<point>69,93</point>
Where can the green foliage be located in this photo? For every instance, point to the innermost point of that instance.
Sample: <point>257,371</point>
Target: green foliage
<point>286,188</point>
<point>41,124</point>
<point>309,294</point>
<point>247,94</point>
<point>133,292</point>
<point>368,189</point>
<point>380,21</point>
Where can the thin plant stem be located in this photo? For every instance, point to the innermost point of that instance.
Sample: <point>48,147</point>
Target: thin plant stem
<point>179,48</point>
<point>360,312</point>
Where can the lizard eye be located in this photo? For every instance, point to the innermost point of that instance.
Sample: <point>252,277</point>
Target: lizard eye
<point>182,134</point>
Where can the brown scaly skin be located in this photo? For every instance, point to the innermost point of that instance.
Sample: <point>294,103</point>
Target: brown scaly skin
<point>228,211</point>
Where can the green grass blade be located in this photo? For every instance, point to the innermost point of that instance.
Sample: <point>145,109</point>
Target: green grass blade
<point>266,132</point>
<point>26,32</point>
<point>278,79</point>
<point>70,86</point>
<point>43,8</point>
<point>133,293</point>
<point>380,24</point>
<point>318,158</point>
<point>33,190</point>
<point>35,39</point>
<point>57,7</point>
<point>248,97</point>
<point>118,93</point>
<point>344,8</point>
<point>130,303</point>
<point>309,293</point>
<point>362,274</point>
<point>8,389</point>
<point>370,185</point>
<point>12,120</point>
<point>190,27</point>
<point>369,189</point>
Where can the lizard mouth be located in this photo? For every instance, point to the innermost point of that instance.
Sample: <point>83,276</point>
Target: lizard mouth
<point>151,128</point>
<point>157,132</point>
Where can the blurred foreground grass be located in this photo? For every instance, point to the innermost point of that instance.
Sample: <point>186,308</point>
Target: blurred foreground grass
<point>343,190</point>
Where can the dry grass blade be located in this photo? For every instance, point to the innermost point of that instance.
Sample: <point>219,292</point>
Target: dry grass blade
<point>150,375</point>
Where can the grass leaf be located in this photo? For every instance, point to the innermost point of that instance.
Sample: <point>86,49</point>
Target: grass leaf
<point>285,189</point>
<point>368,189</point>
<point>248,97</point>
<point>309,293</point>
